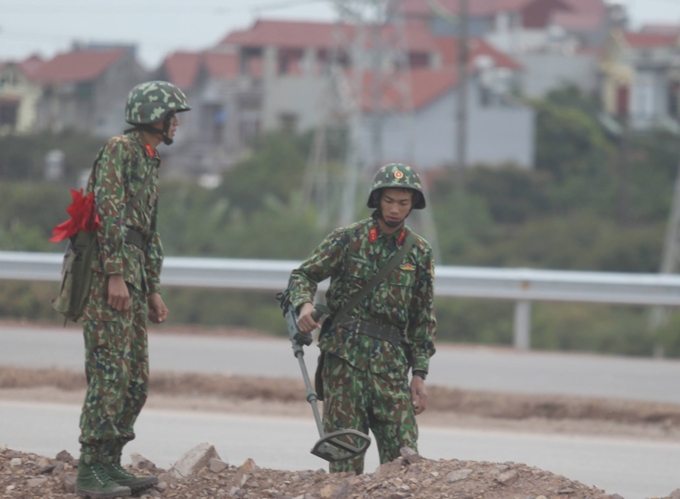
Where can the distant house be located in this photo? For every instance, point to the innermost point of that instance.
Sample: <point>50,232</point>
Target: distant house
<point>294,58</point>
<point>294,63</point>
<point>86,89</point>
<point>514,26</point>
<point>500,131</point>
<point>641,78</point>
<point>226,109</point>
<point>556,41</point>
<point>19,95</point>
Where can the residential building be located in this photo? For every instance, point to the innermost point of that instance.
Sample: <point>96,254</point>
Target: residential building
<point>226,110</point>
<point>19,95</point>
<point>86,87</point>
<point>556,41</point>
<point>500,131</point>
<point>294,57</point>
<point>641,78</point>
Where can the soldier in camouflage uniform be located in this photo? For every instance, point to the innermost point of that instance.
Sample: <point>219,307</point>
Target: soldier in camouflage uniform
<point>125,289</point>
<point>365,378</point>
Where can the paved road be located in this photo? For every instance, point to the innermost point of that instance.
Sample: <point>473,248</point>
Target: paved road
<point>465,367</point>
<point>634,469</point>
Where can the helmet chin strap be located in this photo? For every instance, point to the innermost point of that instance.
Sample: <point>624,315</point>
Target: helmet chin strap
<point>167,122</point>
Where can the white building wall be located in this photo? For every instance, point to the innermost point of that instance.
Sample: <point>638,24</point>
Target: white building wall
<point>545,72</point>
<point>496,135</point>
<point>304,97</point>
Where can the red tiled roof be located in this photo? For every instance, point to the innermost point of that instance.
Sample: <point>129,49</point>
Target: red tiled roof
<point>301,34</point>
<point>584,15</point>
<point>448,48</point>
<point>77,66</point>
<point>31,66</point>
<point>426,86</point>
<point>661,29</point>
<point>222,65</point>
<point>647,40</point>
<point>478,8</point>
<point>182,68</point>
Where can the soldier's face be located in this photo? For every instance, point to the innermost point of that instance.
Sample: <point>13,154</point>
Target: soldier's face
<point>174,123</point>
<point>395,205</point>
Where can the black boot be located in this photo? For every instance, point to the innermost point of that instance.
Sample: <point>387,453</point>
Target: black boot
<point>93,481</point>
<point>124,477</point>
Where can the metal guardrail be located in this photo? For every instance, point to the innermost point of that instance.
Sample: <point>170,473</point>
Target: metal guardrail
<point>523,286</point>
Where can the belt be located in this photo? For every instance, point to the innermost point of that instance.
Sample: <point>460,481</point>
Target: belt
<point>390,334</point>
<point>134,237</point>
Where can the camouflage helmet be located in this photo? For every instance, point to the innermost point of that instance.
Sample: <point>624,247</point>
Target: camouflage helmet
<point>397,176</point>
<point>151,102</point>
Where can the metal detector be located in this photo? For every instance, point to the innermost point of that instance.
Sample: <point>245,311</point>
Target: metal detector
<point>329,447</point>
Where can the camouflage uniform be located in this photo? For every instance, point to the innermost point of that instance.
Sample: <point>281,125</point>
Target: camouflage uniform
<point>116,342</point>
<point>116,359</point>
<point>366,379</point>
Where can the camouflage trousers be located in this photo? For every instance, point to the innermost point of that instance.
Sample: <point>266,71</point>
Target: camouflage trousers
<point>117,371</point>
<point>361,400</point>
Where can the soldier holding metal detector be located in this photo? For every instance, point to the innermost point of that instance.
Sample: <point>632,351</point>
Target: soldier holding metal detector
<point>381,323</point>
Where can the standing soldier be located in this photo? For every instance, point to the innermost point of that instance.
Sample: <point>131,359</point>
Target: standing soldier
<point>367,350</point>
<point>125,289</point>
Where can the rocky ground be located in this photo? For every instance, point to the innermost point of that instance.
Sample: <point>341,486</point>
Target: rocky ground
<point>201,474</point>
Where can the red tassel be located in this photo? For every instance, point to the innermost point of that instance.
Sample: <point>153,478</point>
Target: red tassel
<point>83,217</point>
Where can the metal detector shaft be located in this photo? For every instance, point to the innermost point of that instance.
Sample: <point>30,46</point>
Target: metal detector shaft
<point>331,447</point>
<point>311,393</point>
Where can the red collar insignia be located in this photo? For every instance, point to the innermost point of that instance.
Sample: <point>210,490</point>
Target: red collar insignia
<point>373,234</point>
<point>402,236</point>
<point>150,151</point>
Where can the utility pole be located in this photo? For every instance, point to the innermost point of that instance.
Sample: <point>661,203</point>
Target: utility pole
<point>670,260</point>
<point>462,111</point>
<point>624,171</point>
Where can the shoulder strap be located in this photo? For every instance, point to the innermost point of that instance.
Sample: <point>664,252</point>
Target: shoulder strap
<point>409,242</point>
<point>132,203</point>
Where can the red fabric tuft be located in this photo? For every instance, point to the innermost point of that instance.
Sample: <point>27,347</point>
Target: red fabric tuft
<point>83,217</point>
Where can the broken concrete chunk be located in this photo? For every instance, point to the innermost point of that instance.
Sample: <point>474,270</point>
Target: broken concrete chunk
<point>248,466</point>
<point>507,478</point>
<point>409,455</point>
<point>65,457</point>
<point>194,460</point>
<point>217,466</point>
<point>141,463</point>
<point>458,475</point>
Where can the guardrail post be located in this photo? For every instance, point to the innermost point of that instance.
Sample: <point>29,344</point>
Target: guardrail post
<point>523,325</point>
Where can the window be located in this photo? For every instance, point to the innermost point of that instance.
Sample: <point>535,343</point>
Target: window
<point>8,114</point>
<point>288,121</point>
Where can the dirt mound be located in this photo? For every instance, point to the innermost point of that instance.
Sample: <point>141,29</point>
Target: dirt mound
<point>29,476</point>
<point>500,406</point>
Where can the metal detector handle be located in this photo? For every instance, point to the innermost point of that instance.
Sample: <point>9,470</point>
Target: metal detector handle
<point>320,311</point>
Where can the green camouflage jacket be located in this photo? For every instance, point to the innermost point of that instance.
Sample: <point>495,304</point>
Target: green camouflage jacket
<point>120,172</point>
<point>350,256</point>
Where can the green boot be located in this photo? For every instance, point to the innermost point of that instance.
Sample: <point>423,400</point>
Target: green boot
<point>124,477</point>
<point>94,482</point>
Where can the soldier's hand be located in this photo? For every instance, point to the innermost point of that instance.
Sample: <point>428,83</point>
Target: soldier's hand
<point>158,312</point>
<point>119,296</point>
<point>305,322</point>
<point>418,394</point>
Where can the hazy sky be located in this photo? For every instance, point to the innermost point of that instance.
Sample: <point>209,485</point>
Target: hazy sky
<point>159,27</point>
